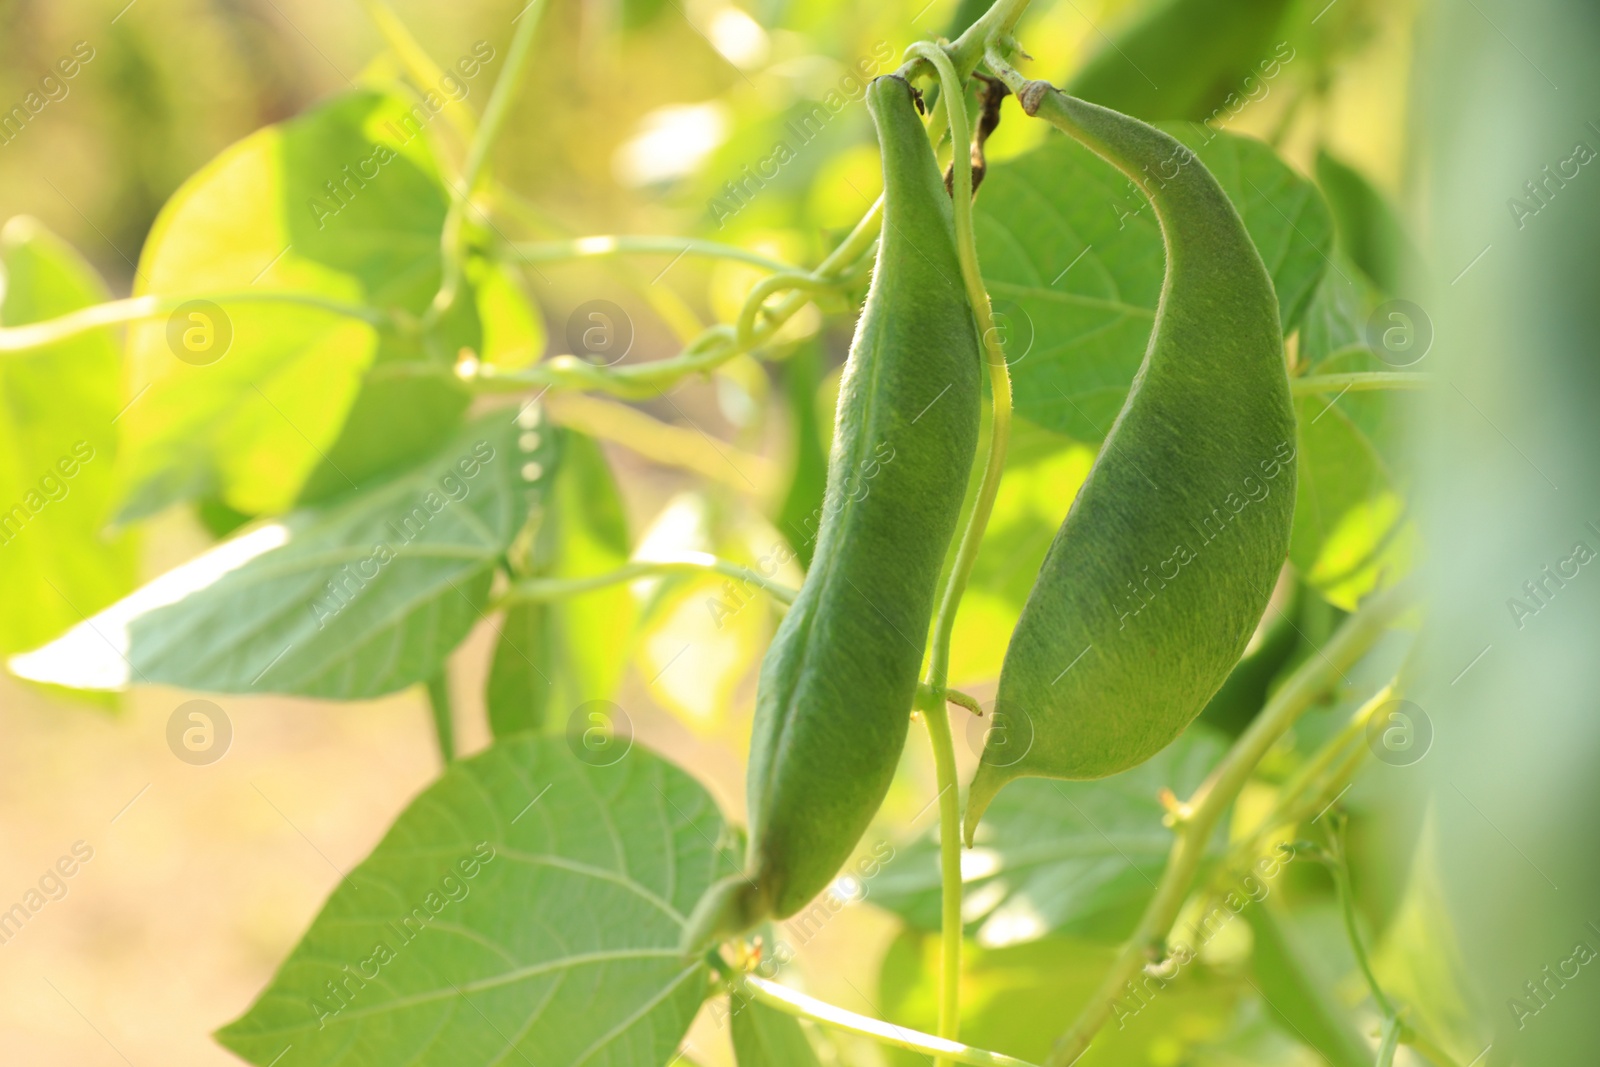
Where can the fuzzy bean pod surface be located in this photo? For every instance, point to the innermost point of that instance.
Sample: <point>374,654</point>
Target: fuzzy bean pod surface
<point>835,694</point>
<point>1164,565</point>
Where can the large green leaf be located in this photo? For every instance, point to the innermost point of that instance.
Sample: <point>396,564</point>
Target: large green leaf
<point>253,425</point>
<point>552,657</point>
<point>1051,856</point>
<point>1185,59</point>
<point>1018,1000</point>
<point>57,448</point>
<point>353,599</point>
<point>517,694</point>
<point>399,415</point>
<point>1336,313</point>
<point>766,1037</point>
<point>1302,1000</point>
<point>1351,529</point>
<point>588,528</point>
<point>1370,232</point>
<point>1074,260</point>
<point>525,909</point>
<point>1043,470</point>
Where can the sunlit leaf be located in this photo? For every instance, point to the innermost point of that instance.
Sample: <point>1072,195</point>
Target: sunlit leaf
<point>57,448</point>
<point>554,656</point>
<point>701,637</point>
<point>1074,261</point>
<point>1019,1000</point>
<point>766,1037</point>
<point>1302,999</point>
<point>344,203</point>
<point>591,537</point>
<point>1420,960</point>
<point>357,598</point>
<point>1042,475</point>
<point>525,909</point>
<point>1051,857</point>
<point>1370,232</point>
<point>1184,59</point>
<point>1351,529</point>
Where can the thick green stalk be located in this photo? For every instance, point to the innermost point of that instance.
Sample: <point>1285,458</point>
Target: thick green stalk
<point>790,1002</point>
<point>1204,810</point>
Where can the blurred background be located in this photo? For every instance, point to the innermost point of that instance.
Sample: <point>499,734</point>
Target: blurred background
<point>192,882</point>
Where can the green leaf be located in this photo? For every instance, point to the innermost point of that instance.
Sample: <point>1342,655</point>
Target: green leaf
<point>1352,533</point>
<point>518,691</point>
<point>1420,961</point>
<point>1043,468</point>
<point>589,527</point>
<point>526,908</point>
<point>394,423</point>
<point>1284,213</point>
<point>350,600</point>
<point>1018,1000</point>
<point>344,203</point>
<point>513,330</point>
<point>1074,260</point>
<point>1053,857</point>
<point>766,1037</point>
<point>552,657</point>
<point>1370,232</point>
<point>1184,59</point>
<point>1302,999</point>
<point>400,415</point>
<point>57,448</point>
<point>1336,314</point>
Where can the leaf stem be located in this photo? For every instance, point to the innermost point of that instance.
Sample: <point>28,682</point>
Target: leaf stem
<point>495,111</point>
<point>533,590</point>
<point>634,244</point>
<point>444,727</point>
<point>1339,866</point>
<point>790,1002</point>
<point>1360,382</point>
<point>140,308</point>
<point>716,346</point>
<point>1309,681</point>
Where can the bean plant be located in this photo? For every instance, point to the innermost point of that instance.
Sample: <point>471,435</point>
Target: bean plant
<point>1202,650</point>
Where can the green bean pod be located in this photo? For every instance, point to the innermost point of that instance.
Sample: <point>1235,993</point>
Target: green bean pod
<point>1164,565</point>
<point>835,694</point>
